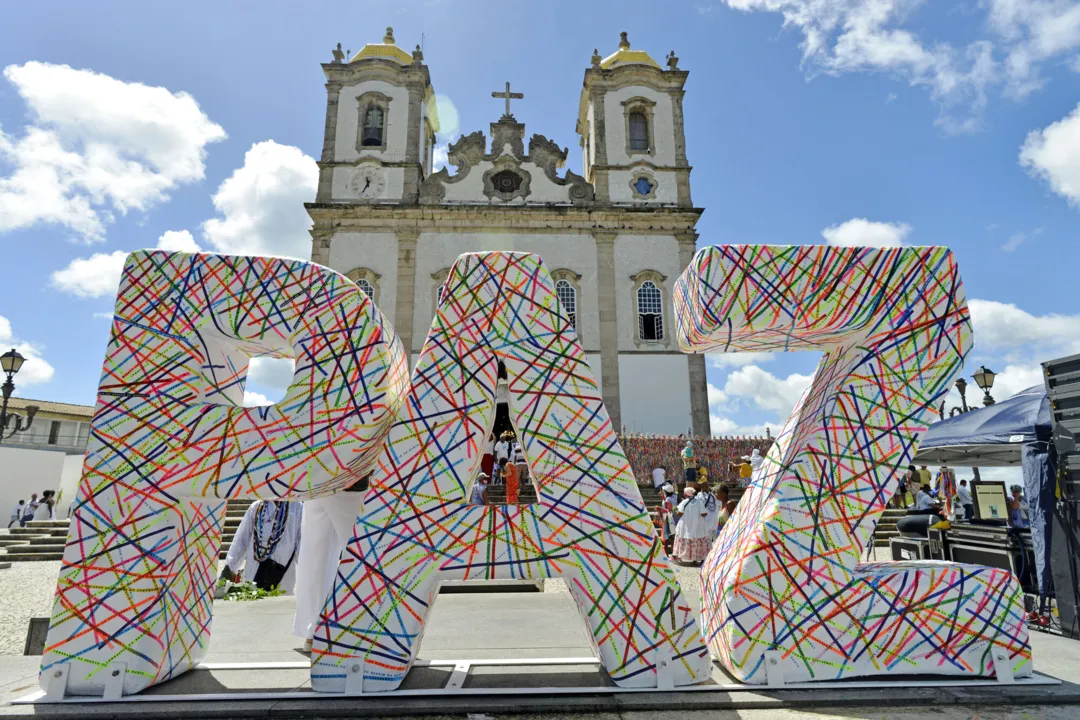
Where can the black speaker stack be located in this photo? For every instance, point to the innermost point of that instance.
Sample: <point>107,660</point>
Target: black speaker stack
<point>1062,380</point>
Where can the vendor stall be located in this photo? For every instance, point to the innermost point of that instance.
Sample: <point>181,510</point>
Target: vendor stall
<point>1015,432</point>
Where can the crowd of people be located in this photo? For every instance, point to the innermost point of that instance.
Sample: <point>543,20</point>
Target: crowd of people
<point>920,490</point>
<point>715,455</point>
<point>692,510</point>
<point>36,509</point>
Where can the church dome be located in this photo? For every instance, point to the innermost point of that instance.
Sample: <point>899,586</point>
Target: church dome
<point>386,50</point>
<point>625,56</point>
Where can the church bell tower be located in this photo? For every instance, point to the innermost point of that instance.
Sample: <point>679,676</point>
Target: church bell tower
<point>381,122</point>
<point>630,120</point>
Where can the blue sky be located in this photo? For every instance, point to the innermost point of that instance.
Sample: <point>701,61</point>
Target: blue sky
<point>951,123</point>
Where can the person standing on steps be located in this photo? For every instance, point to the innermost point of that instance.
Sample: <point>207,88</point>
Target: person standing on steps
<point>29,510</point>
<point>44,510</point>
<point>512,481</point>
<point>689,464</point>
<point>479,490</point>
<point>16,514</point>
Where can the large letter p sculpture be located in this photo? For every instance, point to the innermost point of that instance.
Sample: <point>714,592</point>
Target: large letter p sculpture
<point>783,594</point>
<point>170,441</point>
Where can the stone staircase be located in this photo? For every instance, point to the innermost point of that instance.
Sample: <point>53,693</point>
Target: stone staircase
<point>43,540</point>
<point>886,527</point>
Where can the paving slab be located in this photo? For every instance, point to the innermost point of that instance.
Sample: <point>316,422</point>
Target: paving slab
<point>513,626</point>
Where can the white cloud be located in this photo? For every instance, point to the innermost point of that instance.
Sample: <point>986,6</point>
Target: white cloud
<point>36,370</point>
<point>256,399</point>
<point>262,204</point>
<point>1003,326</point>
<point>1034,31</point>
<point>92,277</point>
<point>717,397</point>
<point>738,359</point>
<point>1013,343</point>
<point>177,241</point>
<point>1053,156</point>
<point>1008,49</point>
<point>97,146</point>
<point>1014,378</point>
<point>99,274</point>
<point>863,232</point>
<point>725,426</point>
<point>766,390</point>
<point>271,372</point>
<point>1017,239</point>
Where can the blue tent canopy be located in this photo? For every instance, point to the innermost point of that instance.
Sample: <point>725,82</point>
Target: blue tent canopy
<point>991,436</point>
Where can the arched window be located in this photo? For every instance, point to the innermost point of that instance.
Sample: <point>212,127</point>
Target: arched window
<point>367,280</point>
<point>374,120</point>
<point>639,131</point>
<point>568,297</point>
<point>650,309</point>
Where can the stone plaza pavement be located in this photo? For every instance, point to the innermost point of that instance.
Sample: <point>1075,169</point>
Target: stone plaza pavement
<point>528,625</point>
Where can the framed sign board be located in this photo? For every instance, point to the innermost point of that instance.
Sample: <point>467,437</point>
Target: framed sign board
<point>990,501</point>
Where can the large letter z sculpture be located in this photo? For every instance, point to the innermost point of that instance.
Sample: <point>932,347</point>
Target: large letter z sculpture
<point>169,441</point>
<point>783,589</point>
<point>589,527</point>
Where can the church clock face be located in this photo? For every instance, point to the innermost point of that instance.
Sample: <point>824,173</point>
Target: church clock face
<point>368,181</point>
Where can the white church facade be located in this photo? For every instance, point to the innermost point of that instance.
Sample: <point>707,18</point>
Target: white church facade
<point>615,237</point>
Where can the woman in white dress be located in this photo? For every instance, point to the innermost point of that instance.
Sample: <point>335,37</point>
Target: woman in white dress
<point>692,535</point>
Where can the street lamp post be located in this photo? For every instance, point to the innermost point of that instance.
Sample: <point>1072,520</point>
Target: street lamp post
<point>11,362</point>
<point>984,378</point>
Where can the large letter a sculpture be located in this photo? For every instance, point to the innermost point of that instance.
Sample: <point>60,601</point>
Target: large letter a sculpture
<point>590,526</point>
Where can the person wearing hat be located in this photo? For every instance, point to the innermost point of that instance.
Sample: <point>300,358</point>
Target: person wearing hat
<point>744,470</point>
<point>504,446</point>
<point>479,490</point>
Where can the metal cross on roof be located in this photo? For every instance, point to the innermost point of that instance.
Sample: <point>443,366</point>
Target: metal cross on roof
<point>507,95</point>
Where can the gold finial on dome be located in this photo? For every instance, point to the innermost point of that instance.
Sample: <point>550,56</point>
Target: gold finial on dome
<point>625,56</point>
<point>386,50</point>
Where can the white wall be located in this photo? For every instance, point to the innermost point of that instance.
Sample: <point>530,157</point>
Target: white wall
<point>436,251</point>
<point>69,484</point>
<point>397,122</point>
<point>375,251</point>
<point>634,253</point>
<point>654,391</point>
<point>663,127</point>
<point>24,471</point>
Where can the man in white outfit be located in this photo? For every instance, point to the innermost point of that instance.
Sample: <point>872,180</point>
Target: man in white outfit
<point>328,527</point>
